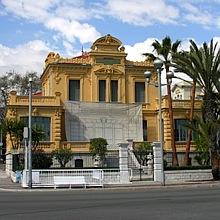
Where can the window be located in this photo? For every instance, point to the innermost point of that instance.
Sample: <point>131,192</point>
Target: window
<point>145,130</point>
<point>40,122</point>
<point>139,91</point>
<point>114,90</point>
<point>181,131</point>
<point>102,90</point>
<point>74,90</point>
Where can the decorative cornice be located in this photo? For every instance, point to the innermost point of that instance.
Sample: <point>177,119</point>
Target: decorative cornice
<point>55,58</point>
<point>145,63</point>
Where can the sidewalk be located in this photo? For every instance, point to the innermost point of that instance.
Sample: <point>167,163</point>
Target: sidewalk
<point>7,185</point>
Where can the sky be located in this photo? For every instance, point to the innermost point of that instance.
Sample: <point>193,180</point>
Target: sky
<point>30,29</point>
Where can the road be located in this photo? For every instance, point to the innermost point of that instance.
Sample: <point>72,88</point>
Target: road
<point>194,202</point>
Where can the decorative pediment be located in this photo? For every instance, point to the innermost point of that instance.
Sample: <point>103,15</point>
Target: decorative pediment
<point>107,43</point>
<point>107,40</point>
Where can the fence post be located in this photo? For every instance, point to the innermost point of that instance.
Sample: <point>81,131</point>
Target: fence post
<point>158,169</point>
<point>123,163</point>
<point>8,164</point>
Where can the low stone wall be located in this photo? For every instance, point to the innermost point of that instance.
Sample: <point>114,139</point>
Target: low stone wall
<point>188,175</point>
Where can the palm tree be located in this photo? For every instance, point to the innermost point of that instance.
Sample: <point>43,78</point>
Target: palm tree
<point>203,142</point>
<point>14,129</point>
<point>177,60</point>
<point>165,50</point>
<point>204,64</point>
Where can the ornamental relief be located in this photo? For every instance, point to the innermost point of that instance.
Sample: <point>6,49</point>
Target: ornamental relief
<point>58,113</point>
<point>57,77</point>
<point>12,112</point>
<point>107,70</point>
<point>154,77</point>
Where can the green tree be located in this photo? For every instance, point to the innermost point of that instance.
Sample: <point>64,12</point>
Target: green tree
<point>202,130</point>
<point>165,49</point>
<point>177,64</point>
<point>202,150</point>
<point>20,83</point>
<point>14,81</point>
<point>142,150</point>
<point>14,128</point>
<point>203,63</point>
<point>37,136</point>
<point>98,147</point>
<point>63,156</point>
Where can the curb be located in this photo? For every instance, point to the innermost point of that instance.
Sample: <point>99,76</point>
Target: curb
<point>119,187</point>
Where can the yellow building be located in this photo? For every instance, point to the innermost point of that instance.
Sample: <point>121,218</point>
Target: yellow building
<point>103,75</point>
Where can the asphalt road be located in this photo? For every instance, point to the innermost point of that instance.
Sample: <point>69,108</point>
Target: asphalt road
<point>171,203</point>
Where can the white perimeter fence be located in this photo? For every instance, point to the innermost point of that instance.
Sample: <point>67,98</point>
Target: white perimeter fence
<point>93,177</point>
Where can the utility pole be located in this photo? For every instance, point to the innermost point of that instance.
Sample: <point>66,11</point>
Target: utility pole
<point>30,135</point>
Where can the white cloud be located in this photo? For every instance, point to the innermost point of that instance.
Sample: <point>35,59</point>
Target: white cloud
<point>29,9</point>
<point>69,50</point>
<point>218,22</point>
<point>64,17</point>
<point>26,57</point>
<point>135,52</point>
<point>196,15</point>
<point>71,30</point>
<point>141,12</point>
<point>216,39</point>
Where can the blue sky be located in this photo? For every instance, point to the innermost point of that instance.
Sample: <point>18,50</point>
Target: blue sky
<point>30,29</point>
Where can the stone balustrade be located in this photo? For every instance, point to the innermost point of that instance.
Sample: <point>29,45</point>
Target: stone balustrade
<point>15,99</point>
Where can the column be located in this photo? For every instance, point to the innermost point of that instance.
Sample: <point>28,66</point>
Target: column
<point>108,89</point>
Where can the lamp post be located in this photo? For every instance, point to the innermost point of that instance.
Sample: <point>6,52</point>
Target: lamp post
<point>30,135</point>
<point>158,63</point>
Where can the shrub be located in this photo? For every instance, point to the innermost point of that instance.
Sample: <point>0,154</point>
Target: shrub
<point>187,167</point>
<point>202,149</point>
<point>63,156</point>
<point>41,160</point>
<point>98,146</point>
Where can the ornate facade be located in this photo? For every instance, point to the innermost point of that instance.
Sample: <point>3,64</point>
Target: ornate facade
<point>101,75</point>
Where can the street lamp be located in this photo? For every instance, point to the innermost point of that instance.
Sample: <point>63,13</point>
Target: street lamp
<point>30,135</point>
<point>158,63</point>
